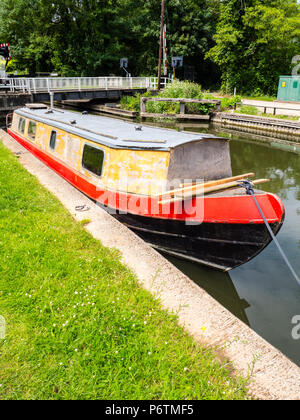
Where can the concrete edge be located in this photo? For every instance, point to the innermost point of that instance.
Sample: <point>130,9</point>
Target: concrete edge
<point>273,375</point>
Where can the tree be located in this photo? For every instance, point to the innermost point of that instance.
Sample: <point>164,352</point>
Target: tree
<point>72,37</point>
<point>255,43</point>
<point>76,37</point>
<point>190,27</point>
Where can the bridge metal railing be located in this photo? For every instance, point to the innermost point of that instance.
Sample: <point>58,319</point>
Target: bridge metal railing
<point>52,84</point>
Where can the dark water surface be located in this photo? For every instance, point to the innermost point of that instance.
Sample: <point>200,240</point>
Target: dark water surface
<point>262,293</point>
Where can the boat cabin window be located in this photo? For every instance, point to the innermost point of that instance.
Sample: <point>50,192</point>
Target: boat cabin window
<point>21,126</point>
<point>92,159</point>
<point>32,129</point>
<point>52,143</point>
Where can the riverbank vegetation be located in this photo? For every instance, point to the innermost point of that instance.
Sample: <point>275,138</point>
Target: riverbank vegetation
<point>178,89</point>
<point>255,42</point>
<point>230,44</point>
<point>78,324</point>
<point>253,110</point>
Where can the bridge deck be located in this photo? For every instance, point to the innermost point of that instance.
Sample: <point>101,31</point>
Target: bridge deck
<point>66,84</point>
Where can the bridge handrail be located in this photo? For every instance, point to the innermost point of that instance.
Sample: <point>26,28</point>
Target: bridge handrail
<point>49,84</point>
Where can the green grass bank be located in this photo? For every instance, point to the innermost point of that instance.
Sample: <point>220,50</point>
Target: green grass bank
<point>78,324</point>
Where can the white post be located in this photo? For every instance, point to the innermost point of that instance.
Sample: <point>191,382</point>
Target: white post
<point>51,100</point>
<point>48,86</point>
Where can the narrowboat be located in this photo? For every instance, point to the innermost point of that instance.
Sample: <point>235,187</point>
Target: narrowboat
<point>173,189</point>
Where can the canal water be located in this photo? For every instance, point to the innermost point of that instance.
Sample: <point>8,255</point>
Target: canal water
<point>262,293</point>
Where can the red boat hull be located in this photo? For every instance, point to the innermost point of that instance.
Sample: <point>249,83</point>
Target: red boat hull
<point>211,230</point>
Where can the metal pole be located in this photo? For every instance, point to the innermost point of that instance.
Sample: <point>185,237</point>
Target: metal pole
<point>165,51</point>
<point>51,100</point>
<point>161,41</point>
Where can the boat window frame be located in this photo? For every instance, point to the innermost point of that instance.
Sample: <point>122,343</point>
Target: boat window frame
<point>21,119</point>
<point>103,162</point>
<point>53,148</point>
<point>28,134</point>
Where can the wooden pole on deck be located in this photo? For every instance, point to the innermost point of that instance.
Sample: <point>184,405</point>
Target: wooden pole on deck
<point>191,187</point>
<point>202,190</point>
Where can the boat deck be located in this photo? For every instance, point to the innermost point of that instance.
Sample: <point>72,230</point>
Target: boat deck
<point>112,132</point>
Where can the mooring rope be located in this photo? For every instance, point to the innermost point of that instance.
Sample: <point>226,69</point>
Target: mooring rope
<point>249,190</point>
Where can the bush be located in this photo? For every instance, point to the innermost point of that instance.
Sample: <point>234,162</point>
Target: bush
<point>187,90</point>
<point>230,102</point>
<point>131,103</point>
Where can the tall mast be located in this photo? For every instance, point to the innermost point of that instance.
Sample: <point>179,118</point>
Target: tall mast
<point>165,51</point>
<point>161,41</point>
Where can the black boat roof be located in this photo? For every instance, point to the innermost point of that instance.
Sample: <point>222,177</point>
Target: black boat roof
<point>112,132</point>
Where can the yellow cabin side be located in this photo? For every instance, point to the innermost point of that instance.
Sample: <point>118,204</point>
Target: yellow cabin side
<point>134,171</point>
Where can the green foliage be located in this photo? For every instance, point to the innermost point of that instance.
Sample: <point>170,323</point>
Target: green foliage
<point>252,110</point>
<point>187,90</point>
<point>89,37</point>
<point>248,109</point>
<point>182,90</point>
<point>261,98</point>
<point>79,326</point>
<point>281,117</point>
<point>178,89</point>
<point>255,43</point>
<point>132,103</point>
<point>230,102</point>
<point>245,43</point>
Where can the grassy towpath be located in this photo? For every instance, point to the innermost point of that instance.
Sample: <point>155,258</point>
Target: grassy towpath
<point>78,324</point>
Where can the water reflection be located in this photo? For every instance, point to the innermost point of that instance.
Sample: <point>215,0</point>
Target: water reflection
<point>280,166</point>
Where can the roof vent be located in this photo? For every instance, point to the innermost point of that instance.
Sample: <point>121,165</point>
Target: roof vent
<point>138,128</point>
<point>73,122</point>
